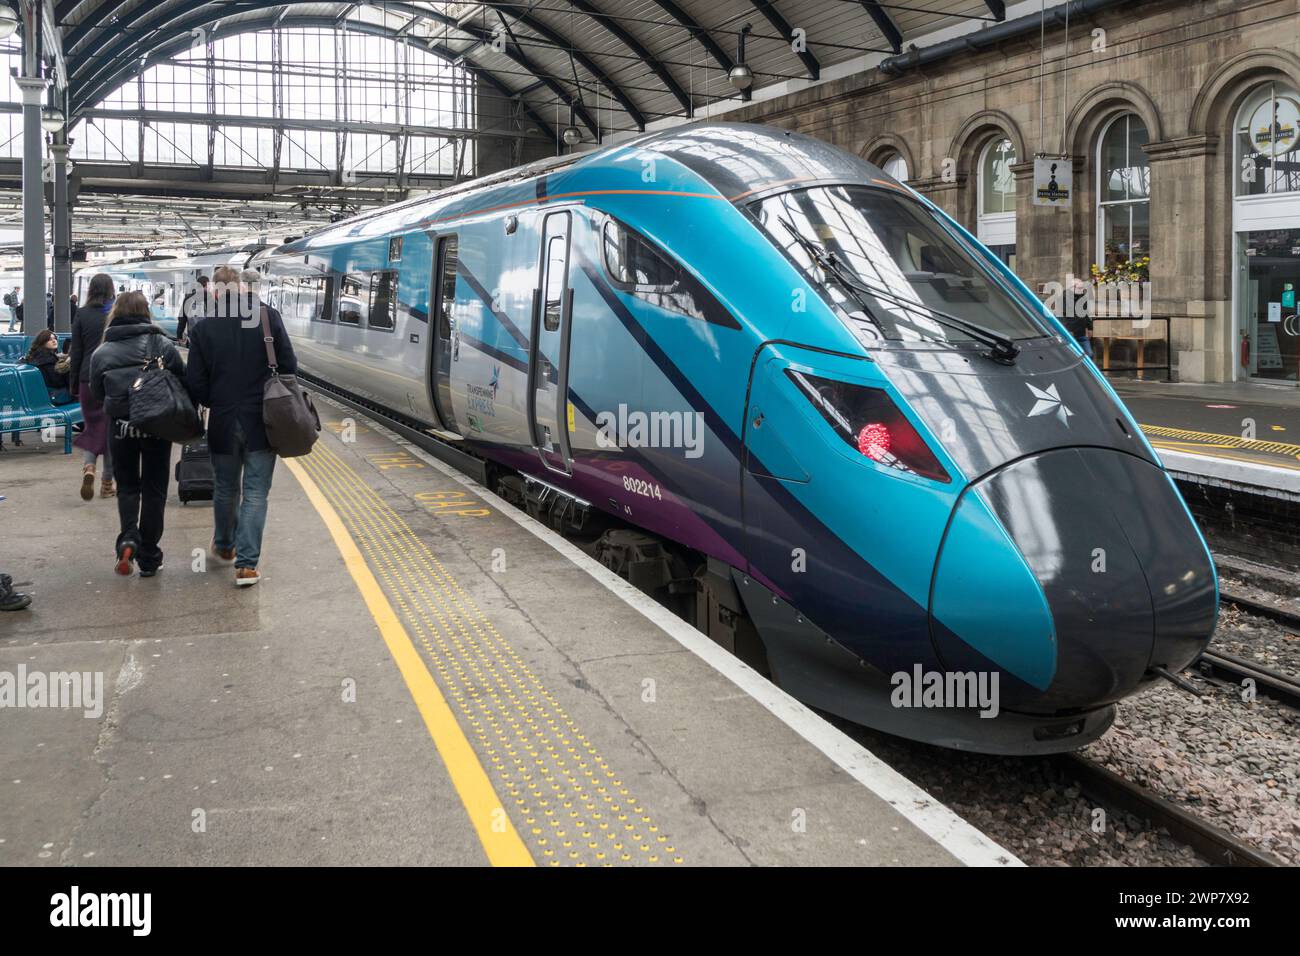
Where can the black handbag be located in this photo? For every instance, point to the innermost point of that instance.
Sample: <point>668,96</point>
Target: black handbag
<point>159,405</point>
<point>292,425</point>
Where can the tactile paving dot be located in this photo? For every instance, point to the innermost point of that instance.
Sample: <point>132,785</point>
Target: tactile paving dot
<point>536,752</point>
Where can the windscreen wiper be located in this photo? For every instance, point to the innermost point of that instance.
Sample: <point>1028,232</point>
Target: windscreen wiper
<point>1002,348</point>
<point>826,263</point>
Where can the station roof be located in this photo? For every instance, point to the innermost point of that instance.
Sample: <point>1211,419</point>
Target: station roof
<point>617,64</point>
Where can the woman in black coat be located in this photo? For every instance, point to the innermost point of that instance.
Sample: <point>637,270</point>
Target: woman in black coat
<point>141,463</point>
<point>44,354</point>
<point>87,334</point>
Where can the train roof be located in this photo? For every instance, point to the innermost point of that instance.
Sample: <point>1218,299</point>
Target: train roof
<point>739,160</point>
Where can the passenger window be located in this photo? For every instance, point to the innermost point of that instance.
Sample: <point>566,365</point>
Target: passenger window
<point>383,300</point>
<point>555,256</point>
<point>635,265</point>
<point>448,259</point>
<point>350,304</point>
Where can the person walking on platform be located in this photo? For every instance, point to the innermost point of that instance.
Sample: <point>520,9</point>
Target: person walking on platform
<point>194,306</point>
<point>141,463</point>
<point>87,334</point>
<point>11,303</point>
<point>227,373</point>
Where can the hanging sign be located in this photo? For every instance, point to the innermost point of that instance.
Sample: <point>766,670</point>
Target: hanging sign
<point>1053,182</point>
<point>1275,126</point>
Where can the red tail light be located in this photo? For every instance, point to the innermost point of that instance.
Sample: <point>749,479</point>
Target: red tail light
<point>867,420</point>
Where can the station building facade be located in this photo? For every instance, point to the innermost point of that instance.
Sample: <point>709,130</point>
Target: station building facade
<point>1179,121</point>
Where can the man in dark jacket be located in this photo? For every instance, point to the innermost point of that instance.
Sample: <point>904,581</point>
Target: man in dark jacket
<point>227,372</point>
<point>194,306</point>
<point>141,463</point>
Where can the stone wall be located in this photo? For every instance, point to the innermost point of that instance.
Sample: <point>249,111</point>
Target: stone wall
<point>1183,67</point>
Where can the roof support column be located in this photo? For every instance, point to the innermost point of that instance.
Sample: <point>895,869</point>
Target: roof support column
<point>62,237</point>
<point>33,88</point>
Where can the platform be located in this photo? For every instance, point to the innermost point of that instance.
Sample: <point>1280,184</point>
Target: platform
<point>424,676</point>
<point>1240,434</point>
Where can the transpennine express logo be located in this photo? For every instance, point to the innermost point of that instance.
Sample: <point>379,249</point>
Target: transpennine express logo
<point>483,398</point>
<point>1049,401</point>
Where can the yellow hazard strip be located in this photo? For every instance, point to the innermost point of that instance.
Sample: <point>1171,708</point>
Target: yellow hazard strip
<point>497,834</point>
<point>1224,441</point>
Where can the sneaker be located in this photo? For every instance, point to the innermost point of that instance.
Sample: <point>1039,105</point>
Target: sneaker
<point>246,577</point>
<point>13,601</point>
<point>221,555</point>
<point>107,489</point>
<point>150,572</point>
<point>125,553</point>
<point>88,483</point>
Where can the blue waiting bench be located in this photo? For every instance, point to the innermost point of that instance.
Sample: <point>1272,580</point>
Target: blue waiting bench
<point>25,404</point>
<point>13,347</point>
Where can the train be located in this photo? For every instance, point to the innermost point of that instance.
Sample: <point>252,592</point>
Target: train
<point>165,280</point>
<point>894,480</point>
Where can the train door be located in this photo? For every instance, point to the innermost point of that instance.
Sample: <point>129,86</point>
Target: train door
<point>442,326</point>
<point>548,375</point>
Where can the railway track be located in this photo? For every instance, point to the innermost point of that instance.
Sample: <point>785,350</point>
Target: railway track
<point>1278,615</point>
<point>1277,685</point>
<point>1112,790</point>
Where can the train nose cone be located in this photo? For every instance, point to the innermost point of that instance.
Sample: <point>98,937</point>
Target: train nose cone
<point>1072,573</point>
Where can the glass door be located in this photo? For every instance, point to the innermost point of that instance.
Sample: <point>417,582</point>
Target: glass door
<point>1268,279</point>
<point>548,378</point>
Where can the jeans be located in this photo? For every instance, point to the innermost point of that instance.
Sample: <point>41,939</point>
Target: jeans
<point>142,467</point>
<point>89,458</point>
<point>240,519</point>
<point>1085,343</point>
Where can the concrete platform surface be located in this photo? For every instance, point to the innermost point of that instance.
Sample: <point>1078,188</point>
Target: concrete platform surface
<point>421,677</point>
<point>1209,428</point>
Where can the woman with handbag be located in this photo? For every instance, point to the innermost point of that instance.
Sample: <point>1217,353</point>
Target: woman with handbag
<point>141,461</point>
<point>44,354</point>
<point>87,334</point>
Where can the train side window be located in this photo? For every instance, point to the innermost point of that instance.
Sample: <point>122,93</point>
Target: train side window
<point>448,259</point>
<point>383,300</point>
<point>556,255</point>
<point>637,266</point>
<point>350,303</point>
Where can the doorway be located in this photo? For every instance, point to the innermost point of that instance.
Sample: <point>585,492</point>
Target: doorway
<point>548,366</point>
<point>1268,278</point>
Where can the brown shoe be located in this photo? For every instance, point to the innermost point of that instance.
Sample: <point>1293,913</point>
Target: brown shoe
<point>223,555</point>
<point>88,483</point>
<point>246,577</point>
<point>107,489</point>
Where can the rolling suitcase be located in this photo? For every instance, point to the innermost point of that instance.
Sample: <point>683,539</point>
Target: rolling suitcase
<point>194,472</point>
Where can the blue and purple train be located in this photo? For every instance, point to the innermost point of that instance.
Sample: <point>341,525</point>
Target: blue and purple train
<point>769,354</point>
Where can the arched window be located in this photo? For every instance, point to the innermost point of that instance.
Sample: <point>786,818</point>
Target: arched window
<point>1268,142</point>
<point>1123,192</point>
<point>997,193</point>
<point>894,165</point>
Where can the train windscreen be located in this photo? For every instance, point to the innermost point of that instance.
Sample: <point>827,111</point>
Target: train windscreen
<point>892,266</point>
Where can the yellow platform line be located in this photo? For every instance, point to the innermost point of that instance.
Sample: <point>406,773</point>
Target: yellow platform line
<point>1224,441</point>
<point>497,834</point>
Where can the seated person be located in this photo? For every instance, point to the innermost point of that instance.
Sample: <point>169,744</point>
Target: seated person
<point>44,354</point>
